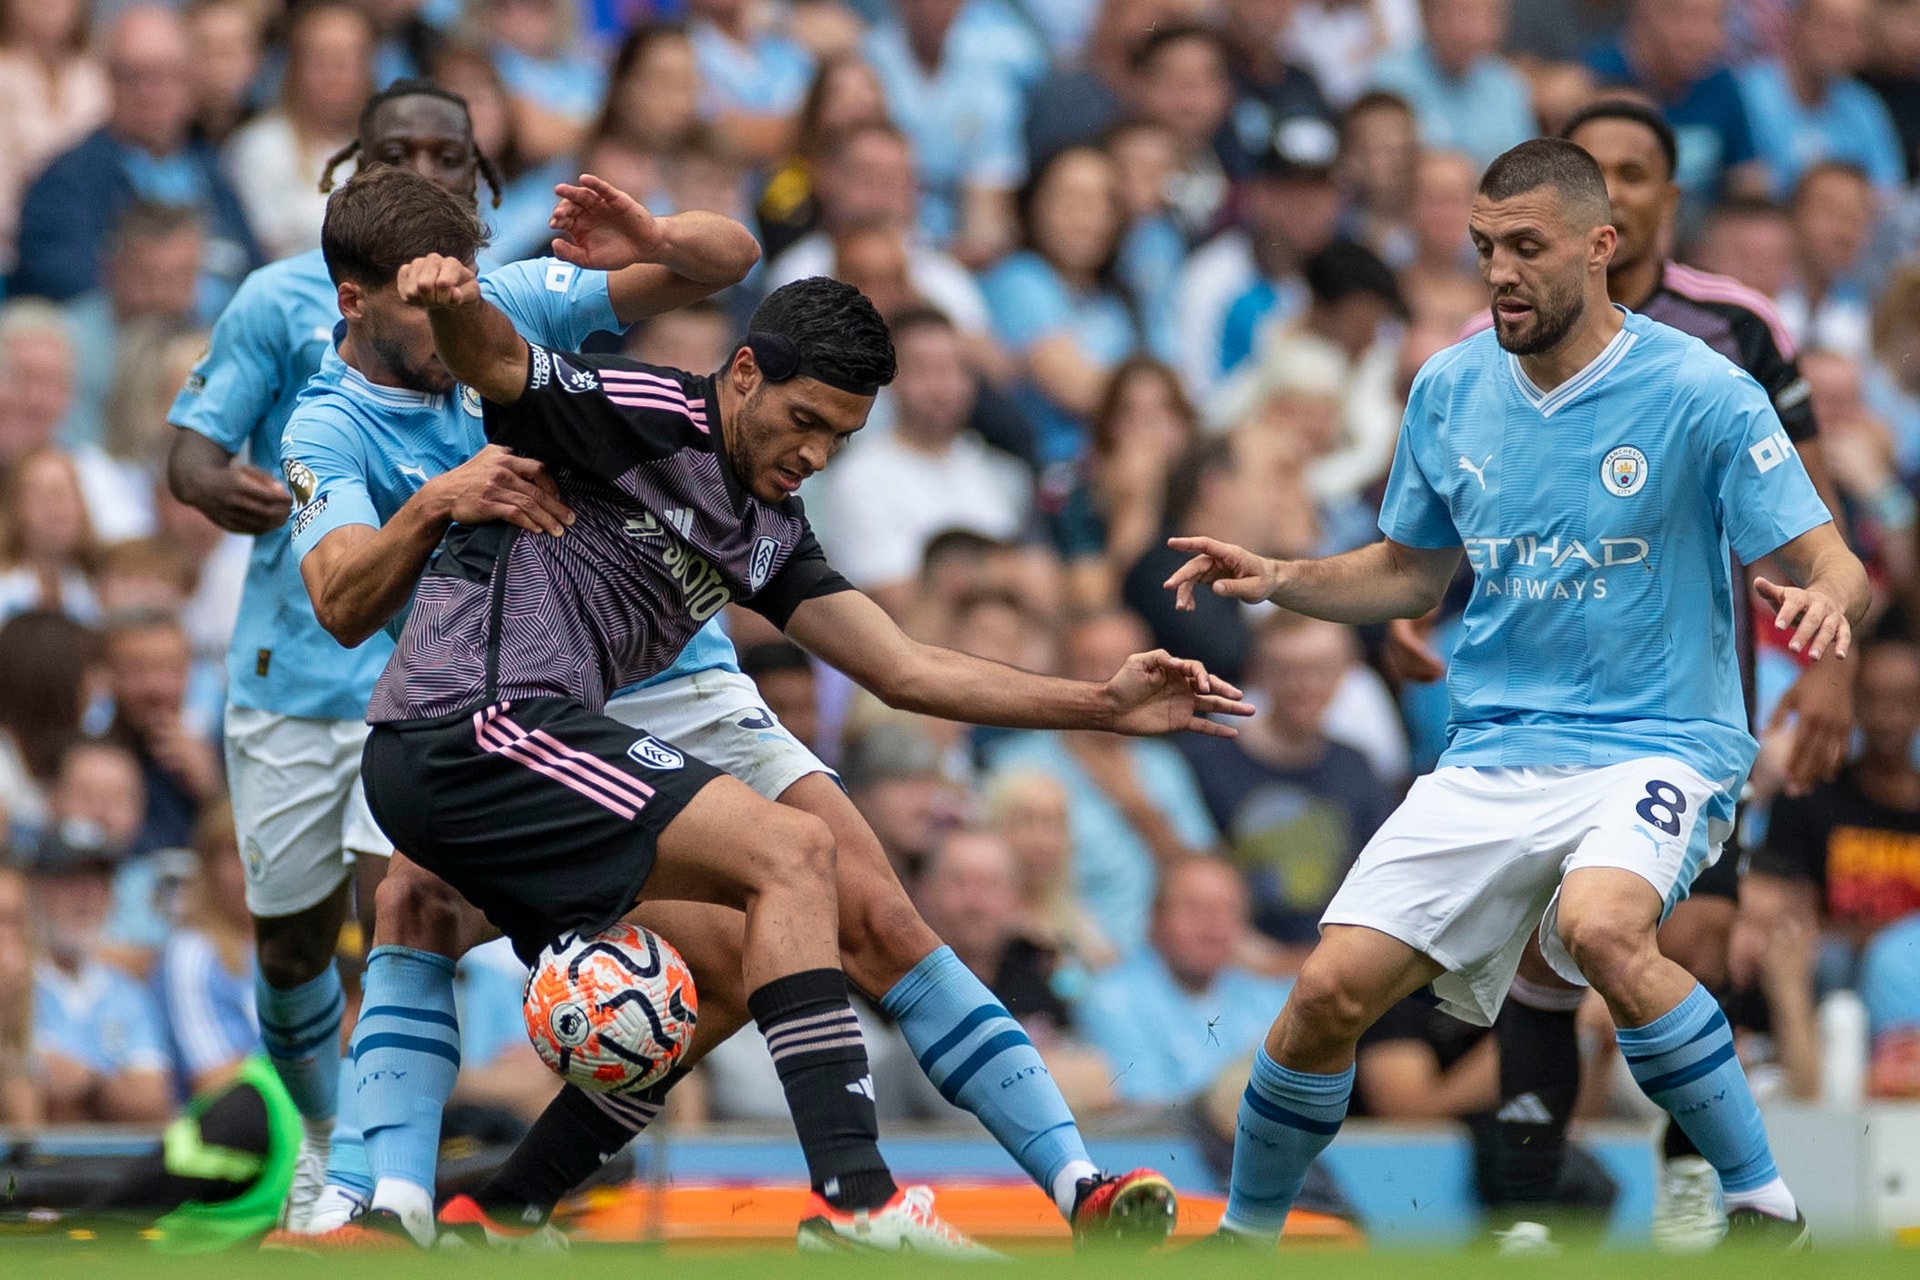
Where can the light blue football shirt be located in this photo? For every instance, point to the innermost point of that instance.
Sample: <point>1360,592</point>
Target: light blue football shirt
<point>264,347</point>
<point>354,452</point>
<point>1597,518</point>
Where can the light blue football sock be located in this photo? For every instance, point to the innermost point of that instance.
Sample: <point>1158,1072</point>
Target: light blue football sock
<point>982,1061</point>
<point>406,1056</point>
<point>300,1031</point>
<point>347,1151</point>
<point>1684,1060</point>
<point>1286,1119</point>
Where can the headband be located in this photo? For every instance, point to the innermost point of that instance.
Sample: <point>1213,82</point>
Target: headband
<point>779,359</point>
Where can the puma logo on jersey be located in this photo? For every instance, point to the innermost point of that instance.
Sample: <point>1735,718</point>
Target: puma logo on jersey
<point>417,473</point>
<point>1479,472</point>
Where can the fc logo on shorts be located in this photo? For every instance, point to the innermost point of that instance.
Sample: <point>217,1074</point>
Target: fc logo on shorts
<point>1624,472</point>
<point>655,754</point>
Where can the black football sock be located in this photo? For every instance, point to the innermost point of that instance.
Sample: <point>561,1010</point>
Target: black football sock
<point>822,1060</point>
<point>1539,1081</point>
<point>577,1133</point>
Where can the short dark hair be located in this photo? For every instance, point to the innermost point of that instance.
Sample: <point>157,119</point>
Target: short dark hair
<point>1345,268</point>
<point>760,660</point>
<point>1826,169</point>
<point>838,336</point>
<point>363,139</point>
<point>1159,39</point>
<point>1633,113</point>
<point>386,217</point>
<point>150,220</point>
<point>957,544</point>
<point>1551,162</point>
<point>919,315</point>
<point>1372,100</point>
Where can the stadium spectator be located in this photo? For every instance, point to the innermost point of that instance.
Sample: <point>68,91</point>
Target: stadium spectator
<point>1674,52</point>
<point>1267,86</point>
<point>1294,806</point>
<point>499,1071</point>
<point>1771,972</point>
<point>1029,812</point>
<point>151,274</point>
<point>1752,240</point>
<point>45,662</point>
<point>786,679</point>
<point>1442,257</point>
<point>1288,212</point>
<point>20,1094</point>
<point>1890,987</point>
<point>956,97</point>
<point>1179,1012</point>
<point>893,493</point>
<point>1847,855</point>
<point>968,892</point>
<point>276,160</point>
<point>1859,452</point>
<point>706,170</point>
<point>868,178</point>
<point>1057,305</point>
<point>204,981</point>
<point>53,92</point>
<point>1153,250</point>
<point>1893,71</point>
<point>1545,33</point>
<point>1464,93</point>
<point>228,39</point>
<point>1807,106</point>
<point>46,541</point>
<point>753,75</point>
<point>1111,515</point>
<point>893,772</point>
<point>555,87</point>
<point>1379,147</point>
<point>1133,803</point>
<point>1890,379</point>
<point>1825,303</point>
<point>845,93</point>
<point>1421,1063</point>
<point>1078,104</point>
<point>1181,84</point>
<point>98,799</point>
<point>96,1034</point>
<point>1340,40</point>
<point>144,151</point>
<point>147,660</point>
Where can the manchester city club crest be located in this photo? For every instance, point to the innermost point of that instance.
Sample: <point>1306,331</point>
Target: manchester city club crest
<point>1624,471</point>
<point>470,401</point>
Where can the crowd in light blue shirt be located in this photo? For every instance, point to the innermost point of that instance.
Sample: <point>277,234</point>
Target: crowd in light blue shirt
<point>1850,123</point>
<point>1166,1043</point>
<point>1482,111</point>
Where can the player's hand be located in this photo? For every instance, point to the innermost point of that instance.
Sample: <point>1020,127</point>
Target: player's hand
<point>1818,623</point>
<point>438,282</point>
<point>1406,653</point>
<point>1820,705</point>
<point>603,228</point>
<point>1229,570</point>
<point>1159,693</point>
<point>244,499</point>
<point>497,484</point>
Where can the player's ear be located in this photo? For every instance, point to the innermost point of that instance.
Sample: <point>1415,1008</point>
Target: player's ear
<point>352,300</point>
<point>744,370</point>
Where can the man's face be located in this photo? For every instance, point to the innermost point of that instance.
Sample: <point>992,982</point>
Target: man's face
<point>72,907</point>
<point>1889,702</point>
<point>1100,646</point>
<point>873,181</point>
<point>933,390</point>
<point>400,336</point>
<point>147,669</point>
<point>1378,155</point>
<point>1535,266</point>
<point>1833,219</point>
<point>1299,212</point>
<point>1185,88</point>
<point>1462,31</point>
<point>1685,38</point>
<point>429,136</point>
<point>1830,36</point>
<point>969,893</point>
<point>101,787</point>
<point>1443,183</point>
<point>1640,190</point>
<point>1756,250</point>
<point>1200,920</point>
<point>150,64</point>
<point>909,814</point>
<point>786,431</point>
<point>874,261</point>
<point>791,696</point>
<point>156,275</point>
<point>38,369</point>
<point>1300,669</point>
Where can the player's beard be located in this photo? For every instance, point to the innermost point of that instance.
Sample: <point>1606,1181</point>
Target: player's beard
<point>430,376</point>
<point>1555,311</point>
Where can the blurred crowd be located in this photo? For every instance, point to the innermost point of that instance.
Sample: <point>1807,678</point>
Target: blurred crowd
<point>1150,265</point>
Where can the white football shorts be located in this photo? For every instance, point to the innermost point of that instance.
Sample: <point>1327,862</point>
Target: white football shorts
<point>719,717</point>
<point>1470,863</point>
<point>298,807</point>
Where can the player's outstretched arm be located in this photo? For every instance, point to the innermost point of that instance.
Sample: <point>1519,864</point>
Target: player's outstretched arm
<point>1386,579</point>
<point>475,339</point>
<point>1154,693</point>
<point>657,264</point>
<point>1831,598</point>
<point>237,497</point>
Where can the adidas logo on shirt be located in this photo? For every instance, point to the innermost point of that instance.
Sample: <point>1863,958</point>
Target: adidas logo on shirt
<point>1525,1109</point>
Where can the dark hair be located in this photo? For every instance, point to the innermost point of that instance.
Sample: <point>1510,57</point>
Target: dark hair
<point>1204,457</point>
<point>957,544</point>
<point>759,660</point>
<point>1101,432</point>
<point>1372,100</point>
<point>1826,168</point>
<point>1550,162</point>
<point>636,46</point>
<point>841,142</point>
<point>1159,39</point>
<point>1633,113</point>
<point>810,137</point>
<point>386,217</point>
<point>836,334</point>
<point>1026,203</point>
<point>363,141</point>
<point>452,56</point>
<point>1345,268</point>
<point>44,658</point>
<point>150,220</point>
<point>918,315</point>
<point>1746,206</point>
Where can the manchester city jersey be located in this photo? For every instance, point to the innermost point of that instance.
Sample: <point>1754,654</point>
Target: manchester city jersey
<point>1597,519</point>
<point>265,346</point>
<point>354,452</point>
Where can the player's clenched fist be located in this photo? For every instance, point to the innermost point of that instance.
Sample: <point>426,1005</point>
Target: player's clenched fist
<point>438,281</point>
<point>1229,570</point>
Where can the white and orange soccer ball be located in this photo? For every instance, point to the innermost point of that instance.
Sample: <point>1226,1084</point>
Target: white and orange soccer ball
<point>612,1012</point>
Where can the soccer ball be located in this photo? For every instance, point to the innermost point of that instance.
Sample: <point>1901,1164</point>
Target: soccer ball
<point>612,1011</point>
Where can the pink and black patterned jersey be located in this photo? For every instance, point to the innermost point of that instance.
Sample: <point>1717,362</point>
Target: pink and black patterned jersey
<point>664,536</point>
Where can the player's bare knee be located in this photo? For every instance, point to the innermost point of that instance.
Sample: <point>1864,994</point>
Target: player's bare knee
<point>882,936</point>
<point>415,908</point>
<point>1327,1007</point>
<point>796,852</point>
<point>288,960</point>
<point>1608,947</point>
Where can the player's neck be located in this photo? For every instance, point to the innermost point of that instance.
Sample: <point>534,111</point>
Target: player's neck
<point>1580,348</point>
<point>358,355</point>
<point>1632,285</point>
